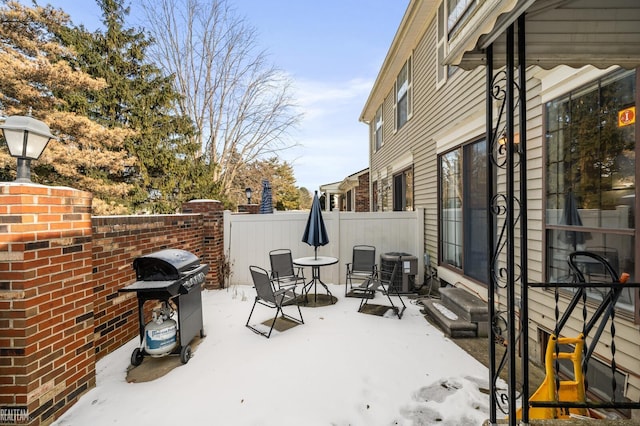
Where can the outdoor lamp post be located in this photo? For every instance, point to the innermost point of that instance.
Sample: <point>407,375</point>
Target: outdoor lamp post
<point>248,192</point>
<point>26,138</point>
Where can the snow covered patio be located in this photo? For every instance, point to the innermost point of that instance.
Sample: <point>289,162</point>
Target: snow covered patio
<point>341,367</point>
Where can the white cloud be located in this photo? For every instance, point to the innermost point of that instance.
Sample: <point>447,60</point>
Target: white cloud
<point>334,144</point>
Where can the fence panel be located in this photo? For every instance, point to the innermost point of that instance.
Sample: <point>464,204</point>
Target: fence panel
<point>248,238</point>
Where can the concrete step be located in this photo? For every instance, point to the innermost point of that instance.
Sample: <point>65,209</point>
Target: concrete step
<point>465,304</point>
<point>448,321</point>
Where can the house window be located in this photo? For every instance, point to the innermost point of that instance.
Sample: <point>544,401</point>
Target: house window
<point>403,95</point>
<point>451,15</point>
<point>590,179</point>
<point>464,210</point>
<point>403,191</point>
<point>378,129</point>
<point>350,200</point>
<point>458,11</point>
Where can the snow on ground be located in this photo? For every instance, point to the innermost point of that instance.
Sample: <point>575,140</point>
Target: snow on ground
<point>340,367</point>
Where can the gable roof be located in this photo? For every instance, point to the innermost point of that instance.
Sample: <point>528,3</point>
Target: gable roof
<point>414,22</point>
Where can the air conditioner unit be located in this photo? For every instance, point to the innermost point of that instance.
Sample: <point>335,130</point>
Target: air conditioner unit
<point>404,281</point>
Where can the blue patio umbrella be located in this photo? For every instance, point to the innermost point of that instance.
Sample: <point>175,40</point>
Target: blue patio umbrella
<point>315,233</point>
<point>266,203</point>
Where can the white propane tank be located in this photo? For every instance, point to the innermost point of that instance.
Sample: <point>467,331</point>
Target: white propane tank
<point>160,335</point>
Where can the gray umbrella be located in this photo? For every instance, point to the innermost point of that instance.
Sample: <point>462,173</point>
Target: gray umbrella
<point>571,216</point>
<point>315,233</point>
<point>266,203</point>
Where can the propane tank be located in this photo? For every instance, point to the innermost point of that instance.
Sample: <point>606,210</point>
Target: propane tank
<point>161,333</point>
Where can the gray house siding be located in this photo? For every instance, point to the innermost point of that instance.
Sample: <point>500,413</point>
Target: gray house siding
<point>437,114</point>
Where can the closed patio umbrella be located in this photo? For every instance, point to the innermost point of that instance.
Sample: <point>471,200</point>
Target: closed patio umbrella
<point>315,233</point>
<point>571,216</point>
<point>266,203</point>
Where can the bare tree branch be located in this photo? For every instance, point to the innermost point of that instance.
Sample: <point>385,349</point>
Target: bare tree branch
<point>241,105</point>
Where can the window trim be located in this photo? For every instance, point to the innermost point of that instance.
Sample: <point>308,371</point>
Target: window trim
<point>402,173</point>
<point>444,33</point>
<point>442,45</point>
<point>462,147</point>
<point>378,128</point>
<point>583,79</point>
<point>409,94</point>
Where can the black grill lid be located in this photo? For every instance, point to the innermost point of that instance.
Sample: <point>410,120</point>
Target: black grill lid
<point>164,265</point>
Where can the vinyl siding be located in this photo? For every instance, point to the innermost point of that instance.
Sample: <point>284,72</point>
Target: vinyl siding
<point>433,110</point>
<point>438,111</point>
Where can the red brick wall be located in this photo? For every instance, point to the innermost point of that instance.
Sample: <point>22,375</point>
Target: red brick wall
<point>117,241</point>
<point>212,214</point>
<point>60,272</point>
<point>249,208</point>
<point>362,193</point>
<point>47,356</point>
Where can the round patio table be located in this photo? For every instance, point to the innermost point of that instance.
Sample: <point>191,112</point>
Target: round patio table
<point>315,263</point>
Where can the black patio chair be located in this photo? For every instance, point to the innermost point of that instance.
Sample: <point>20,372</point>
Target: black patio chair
<point>268,296</point>
<point>385,283</point>
<point>282,270</point>
<point>362,267</point>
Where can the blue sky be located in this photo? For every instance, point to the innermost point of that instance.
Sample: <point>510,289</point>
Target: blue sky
<point>333,51</point>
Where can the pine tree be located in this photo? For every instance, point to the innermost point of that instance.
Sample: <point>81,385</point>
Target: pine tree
<point>286,196</point>
<point>139,98</point>
<point>36,71</point>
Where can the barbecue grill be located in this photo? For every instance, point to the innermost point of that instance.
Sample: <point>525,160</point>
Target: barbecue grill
<point>173,277</point>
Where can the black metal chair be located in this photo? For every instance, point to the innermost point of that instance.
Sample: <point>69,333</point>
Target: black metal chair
<point>282,270</point>
<point>268,296</point>
<point>384,282</point>
<point>362,268</point>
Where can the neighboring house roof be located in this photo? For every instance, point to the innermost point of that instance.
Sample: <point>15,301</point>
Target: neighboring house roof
<point>331,187</point>
<point>345,185</point>
<point>566,32</point>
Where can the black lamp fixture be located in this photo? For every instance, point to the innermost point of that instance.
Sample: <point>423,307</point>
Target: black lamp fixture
<point>26,138</point>
<point>248,193</point>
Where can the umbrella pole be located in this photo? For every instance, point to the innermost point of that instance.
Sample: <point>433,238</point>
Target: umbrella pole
<point>315,250</point>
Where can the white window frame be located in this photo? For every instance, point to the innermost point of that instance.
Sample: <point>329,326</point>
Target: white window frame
<point>455,14</point>
<point>405,88</point>
<point>378,126</point>
<point>446,22</point>
<point>442,71</point>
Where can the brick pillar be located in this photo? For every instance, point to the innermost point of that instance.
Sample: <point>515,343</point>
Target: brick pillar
<point>46,300</point>
<point>213,223</point>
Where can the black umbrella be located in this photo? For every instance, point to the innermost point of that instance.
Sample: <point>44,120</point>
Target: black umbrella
<point>266,203</point>
<point>571,216</point>
<point>315,233</point>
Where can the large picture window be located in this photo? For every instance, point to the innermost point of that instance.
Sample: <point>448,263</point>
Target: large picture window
<point>590,178</point>
<point>464,213</point>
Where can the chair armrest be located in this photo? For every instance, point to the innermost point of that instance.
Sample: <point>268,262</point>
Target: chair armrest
<point>280,291</point>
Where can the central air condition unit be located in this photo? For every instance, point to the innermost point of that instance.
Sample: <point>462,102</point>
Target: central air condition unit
<point>405,280</point>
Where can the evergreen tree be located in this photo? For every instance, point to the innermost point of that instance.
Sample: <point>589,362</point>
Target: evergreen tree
<point>286,195</point>
<point>164,167</point>
<point>36,71</point>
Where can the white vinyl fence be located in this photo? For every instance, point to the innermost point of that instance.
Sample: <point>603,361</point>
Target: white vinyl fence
<point>248,238</point>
